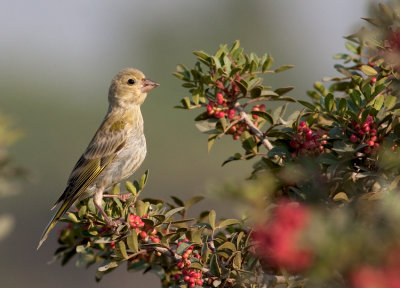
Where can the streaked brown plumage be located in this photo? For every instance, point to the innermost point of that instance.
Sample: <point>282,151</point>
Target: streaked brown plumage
<point>117,149</point>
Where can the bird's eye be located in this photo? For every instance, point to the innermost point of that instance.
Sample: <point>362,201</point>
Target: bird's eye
<point>131,81</point>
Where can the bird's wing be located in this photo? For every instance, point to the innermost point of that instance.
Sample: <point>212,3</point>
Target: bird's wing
<point>109,139</point>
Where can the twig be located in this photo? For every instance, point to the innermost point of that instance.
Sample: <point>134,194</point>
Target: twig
<point>252,127</point>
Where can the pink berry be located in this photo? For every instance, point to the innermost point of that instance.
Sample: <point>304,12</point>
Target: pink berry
<point>371,143</point>
<point>199,282</point>
<point>374,138</point>
<point>353,138</point>
<point>180,265</point>
<point>186,278</point>
<point>303,123</point>
<point>373,80</point>
<point>262,107</point>
<point>235,137</point>
<point>376,145</point>
<point>143,234</point>
<point>369,119</point>
<point>177,276</point>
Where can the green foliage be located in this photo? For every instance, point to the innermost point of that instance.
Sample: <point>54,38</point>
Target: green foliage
<point>323,196</point>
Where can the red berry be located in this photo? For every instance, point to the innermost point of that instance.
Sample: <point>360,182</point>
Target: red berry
<point>192,280</point>
<point>366,128</point>
<point>353,138</point>
<point>199,282</point>
<point>235,137</point>
<point>231,113</point>
<point>376,145</point>
<point>373,80</point>
<point>369,119</point>
<point>143,234</point>
<point>177,276</point>
<point>374,138</point>
<point>302,124</point>
<point>371,143</point>
<point>180,265</point>
<point>186,278</point>
<point>294,144</point>
<point>262,107</point>
<point>255,116</point>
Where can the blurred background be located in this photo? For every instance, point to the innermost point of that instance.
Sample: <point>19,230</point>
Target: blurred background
<point>57,60</point>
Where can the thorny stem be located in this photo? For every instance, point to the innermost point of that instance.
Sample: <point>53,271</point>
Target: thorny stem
<point>252,127</point>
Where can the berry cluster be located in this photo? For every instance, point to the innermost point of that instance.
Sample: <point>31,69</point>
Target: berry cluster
<point>220,109</point>
<point>386,275</point>
<point>192,277</point>
<point>306,141</point>
<point>365,133</point>
<point>278,241</point>
<point>144,232</point>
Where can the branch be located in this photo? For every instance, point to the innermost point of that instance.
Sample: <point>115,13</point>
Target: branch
<point>252,127</point>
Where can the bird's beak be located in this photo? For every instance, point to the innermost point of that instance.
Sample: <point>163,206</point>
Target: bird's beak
<point>148,85</point>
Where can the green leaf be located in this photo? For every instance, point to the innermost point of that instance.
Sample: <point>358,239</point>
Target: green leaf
<point>320,88</point>
<point>256,92</point>
<point>283,68</point>
<point>379,102</point>
<point>341,196</point>
<point>265,115</point>
<point>91,206</point>
<point>342,106</point>
<point>130,187</point>
<point>351,47</point>
<point>283,90</point>
<point>368,70</point>
<point>82,211</point>
<point>227,245</point>
<point>355,96</point>
<point>202,55</point>
<point>186,102</point>
<point>132,241</point>
<point>143,179</point>
<point>307,104</point>
<point>327,158</point>
<point>115,190</point>
<point>71,216</point>
<point>211,219</point>
<point>171,212</point>
<point>214,266</point>
<point>211,140</point>
<point>120,250</point>
<point>267,64</point>
<point>248,142</point>
<point>108,266</point>
<point>140,208</point>
<point>178,201</point>
<point>183,247</point>
<point>329,102</point>
<point>227,222</point>
<point>237,261</point>
<point>196,265</point>
<point>193,201</point>
<point>242,87</point>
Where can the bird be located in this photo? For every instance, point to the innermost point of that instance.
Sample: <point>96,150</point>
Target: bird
<point>116,150</point>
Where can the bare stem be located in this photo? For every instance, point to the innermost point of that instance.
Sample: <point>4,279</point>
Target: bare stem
<point>252,127</point>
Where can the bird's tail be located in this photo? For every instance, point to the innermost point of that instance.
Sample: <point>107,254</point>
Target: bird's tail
<point>64,207</point>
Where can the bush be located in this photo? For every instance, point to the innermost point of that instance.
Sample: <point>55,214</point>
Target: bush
<point>323,202</point>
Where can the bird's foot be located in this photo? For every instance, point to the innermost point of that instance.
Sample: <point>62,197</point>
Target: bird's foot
<point>122,197</point>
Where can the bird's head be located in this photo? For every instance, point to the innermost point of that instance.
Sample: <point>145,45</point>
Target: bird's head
<point>129,86</point>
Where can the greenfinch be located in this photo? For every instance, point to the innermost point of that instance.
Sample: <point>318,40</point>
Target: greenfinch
<point>117,149</point>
